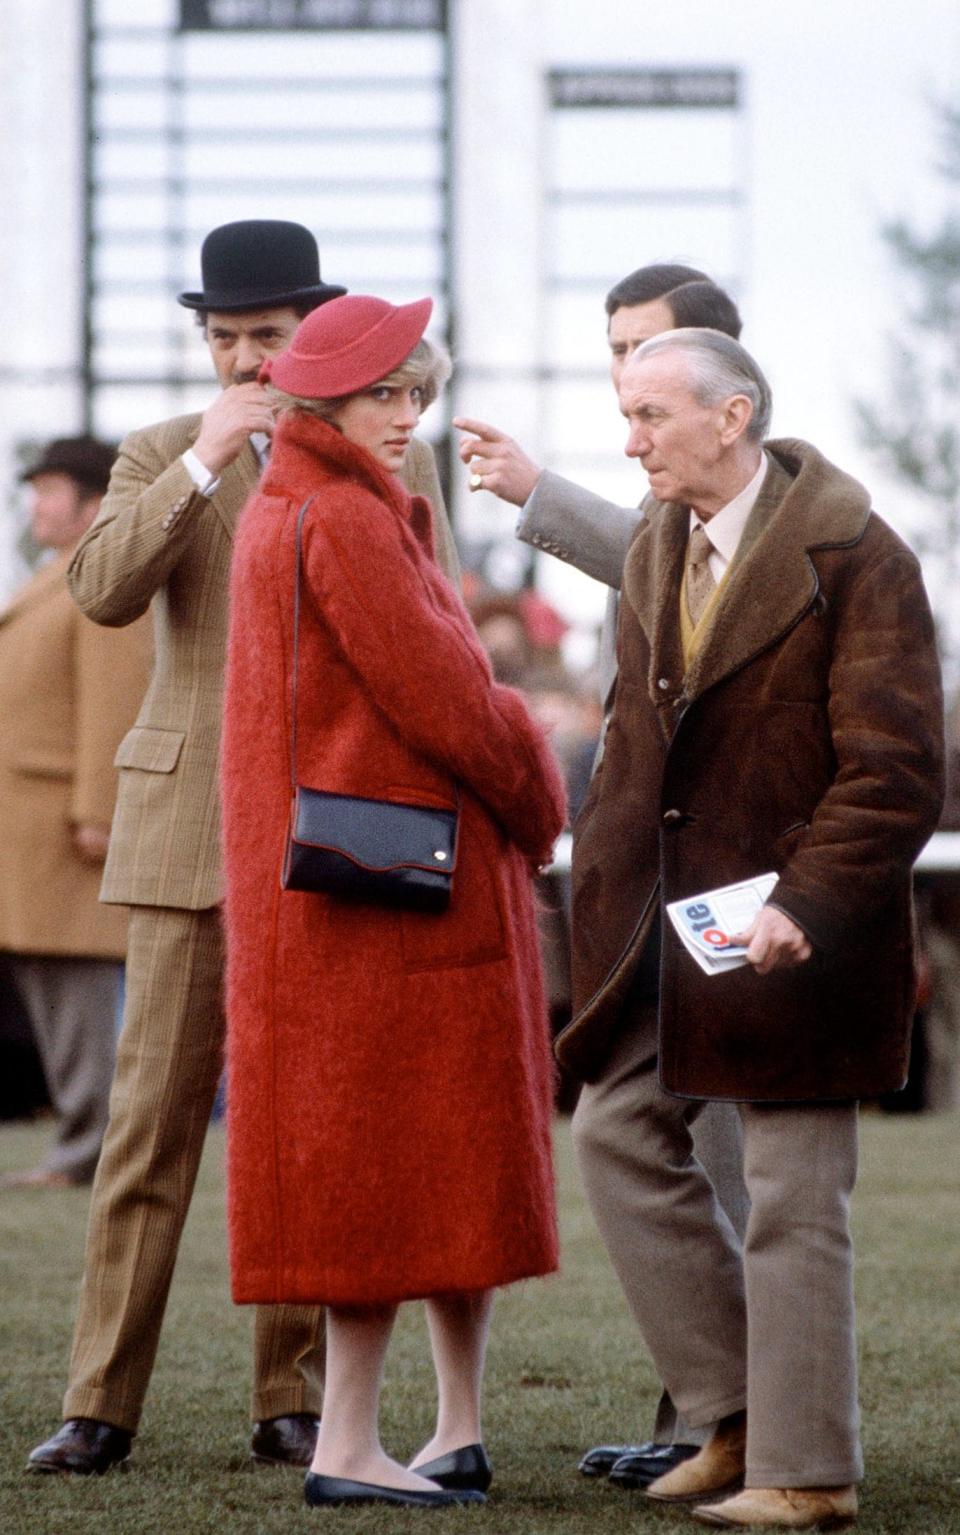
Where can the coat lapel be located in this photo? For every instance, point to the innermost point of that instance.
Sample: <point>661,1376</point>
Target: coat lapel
<point>651,584</point>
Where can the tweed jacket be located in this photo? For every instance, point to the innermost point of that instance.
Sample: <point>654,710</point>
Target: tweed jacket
<point>69,691</point>
<point>158,543</point>
<point>806,738</point>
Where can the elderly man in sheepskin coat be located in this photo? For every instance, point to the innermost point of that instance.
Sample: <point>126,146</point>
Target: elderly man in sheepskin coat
<point>778,709</point>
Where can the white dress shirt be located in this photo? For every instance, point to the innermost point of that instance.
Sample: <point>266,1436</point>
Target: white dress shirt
<point>725,527</point>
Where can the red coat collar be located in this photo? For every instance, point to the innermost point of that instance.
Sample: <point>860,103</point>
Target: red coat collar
<point>308,453</point>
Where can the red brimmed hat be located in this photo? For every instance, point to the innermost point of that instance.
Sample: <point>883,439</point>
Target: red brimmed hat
<point>347,344</point>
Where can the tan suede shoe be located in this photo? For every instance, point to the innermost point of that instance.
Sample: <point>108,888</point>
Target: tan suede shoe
<point>715,1469</point>
<point>783,1508</point>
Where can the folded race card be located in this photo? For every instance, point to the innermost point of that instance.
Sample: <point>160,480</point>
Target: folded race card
<point>708,923</point>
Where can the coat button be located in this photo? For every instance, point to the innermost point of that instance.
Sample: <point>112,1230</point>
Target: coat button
<point>672,817</point>
<point>663,683</point>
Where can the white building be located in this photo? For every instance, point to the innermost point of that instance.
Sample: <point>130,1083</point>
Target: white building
<point>779,191</point>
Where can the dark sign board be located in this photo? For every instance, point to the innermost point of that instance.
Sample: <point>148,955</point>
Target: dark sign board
<point>644,87</point>
<point>306,15</point>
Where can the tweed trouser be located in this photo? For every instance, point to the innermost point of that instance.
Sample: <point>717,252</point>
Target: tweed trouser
<point>72,1004</point>
<point>169,1061</point>
<point>768,1325</point>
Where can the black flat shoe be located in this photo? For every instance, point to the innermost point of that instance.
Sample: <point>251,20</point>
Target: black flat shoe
<point>469,1467</point>
<point>638,1468</point>
<point>83,1447</point>
<point>329,1491</point>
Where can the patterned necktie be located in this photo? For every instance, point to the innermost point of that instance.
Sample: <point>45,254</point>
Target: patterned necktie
<point>700,582</point>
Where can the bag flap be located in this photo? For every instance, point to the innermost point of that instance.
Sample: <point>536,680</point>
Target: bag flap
<point>375,833</point>
<point>156,751</point>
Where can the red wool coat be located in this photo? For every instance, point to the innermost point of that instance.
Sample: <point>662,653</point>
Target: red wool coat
<point>390,1075</point>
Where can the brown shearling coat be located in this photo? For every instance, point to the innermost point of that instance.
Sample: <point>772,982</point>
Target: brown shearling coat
<point>806,738</point>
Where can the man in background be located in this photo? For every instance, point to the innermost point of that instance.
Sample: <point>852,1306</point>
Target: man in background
<point>575,525</point>
<point>69,691</point>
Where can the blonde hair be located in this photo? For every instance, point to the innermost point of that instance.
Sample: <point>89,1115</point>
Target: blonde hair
<point>428,366</point>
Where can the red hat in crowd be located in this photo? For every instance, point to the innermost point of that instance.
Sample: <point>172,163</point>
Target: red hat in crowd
<point>347,344</point>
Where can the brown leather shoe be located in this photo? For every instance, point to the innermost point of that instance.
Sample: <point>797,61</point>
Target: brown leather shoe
<point>784,1508</point>
<point>286,1441</point>
<point>717,1468</point>
<point>83,1446</point>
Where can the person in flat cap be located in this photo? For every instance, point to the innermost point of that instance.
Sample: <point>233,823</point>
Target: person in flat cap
<point>394,1140</point>
<point>163,541</point>
<point>69,691</point>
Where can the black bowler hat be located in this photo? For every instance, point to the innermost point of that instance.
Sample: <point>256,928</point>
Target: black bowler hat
<point>84,459</point>
<point>259,264</point>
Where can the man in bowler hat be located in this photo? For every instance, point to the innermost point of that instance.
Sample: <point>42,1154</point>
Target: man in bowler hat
<point>163,540</point>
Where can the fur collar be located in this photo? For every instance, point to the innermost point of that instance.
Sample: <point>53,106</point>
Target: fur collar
<point>308,453</point>
<point>805,503</point>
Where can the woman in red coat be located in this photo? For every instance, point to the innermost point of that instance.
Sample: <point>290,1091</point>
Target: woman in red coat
<point>390,1072</point>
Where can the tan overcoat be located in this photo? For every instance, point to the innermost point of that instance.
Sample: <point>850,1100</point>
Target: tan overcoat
<point>69,691</point>
<point>158,543</point>
<point>806,738</point>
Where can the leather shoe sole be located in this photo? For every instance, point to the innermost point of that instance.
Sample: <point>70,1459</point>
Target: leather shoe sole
<point>639,1469</point>
<point>783,1508</point>
<point>332,1491</point>
<point>464,1468</point>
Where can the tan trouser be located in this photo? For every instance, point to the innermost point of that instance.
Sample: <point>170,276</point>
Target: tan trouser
<point>718,1146</point>
<point>169,1060</point>
<point>768,1325</point>
<point>72,1005</point>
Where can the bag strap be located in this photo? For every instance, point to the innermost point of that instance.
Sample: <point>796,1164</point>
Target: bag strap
<point>296,661</point>
<point>296,648</point>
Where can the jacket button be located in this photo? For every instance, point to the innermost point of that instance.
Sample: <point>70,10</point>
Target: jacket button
<point>663,683</point>
<point>672,817</point>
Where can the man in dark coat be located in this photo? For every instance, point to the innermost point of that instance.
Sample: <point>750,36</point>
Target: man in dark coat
<point>778,709</point>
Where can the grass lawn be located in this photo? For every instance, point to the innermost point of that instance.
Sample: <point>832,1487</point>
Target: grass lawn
<point>566,1371</point>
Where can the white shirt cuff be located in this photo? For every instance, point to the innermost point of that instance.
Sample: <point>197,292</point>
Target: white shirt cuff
<point>206,483</point>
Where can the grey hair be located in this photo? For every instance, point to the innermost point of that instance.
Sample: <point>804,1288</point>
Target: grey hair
<point>428,366</point>
<point>720,367</point>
